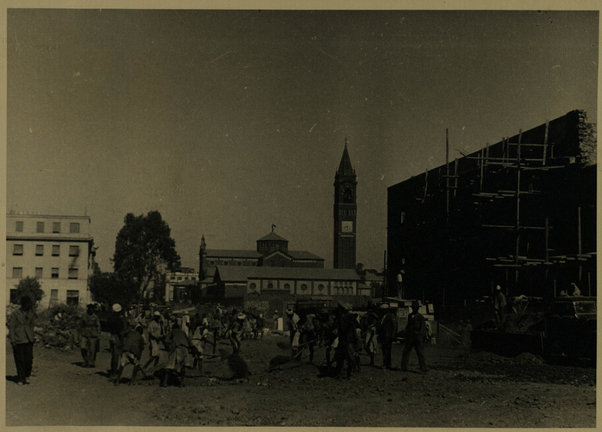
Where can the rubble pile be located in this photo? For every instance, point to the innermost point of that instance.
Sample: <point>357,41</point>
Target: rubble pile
<point>58,327</point>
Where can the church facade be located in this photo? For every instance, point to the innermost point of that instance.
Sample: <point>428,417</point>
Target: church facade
<point>272,273</point>
<point>271,251</point>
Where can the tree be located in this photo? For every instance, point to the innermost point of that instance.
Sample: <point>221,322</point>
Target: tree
<point>109,288</point>
<point>29,287</point>
<point>143,249</point>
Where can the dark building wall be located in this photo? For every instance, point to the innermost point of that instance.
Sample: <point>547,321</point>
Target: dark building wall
<point>451,257</point>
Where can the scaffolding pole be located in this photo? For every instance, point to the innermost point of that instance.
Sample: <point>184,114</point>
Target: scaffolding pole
<point>518,167</point>
<point>447,175</point>
<point>580,271</point>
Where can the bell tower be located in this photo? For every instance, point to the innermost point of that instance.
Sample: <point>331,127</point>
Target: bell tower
<point>345,213</point>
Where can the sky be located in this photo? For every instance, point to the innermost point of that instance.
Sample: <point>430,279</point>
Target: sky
<point>227,122</point>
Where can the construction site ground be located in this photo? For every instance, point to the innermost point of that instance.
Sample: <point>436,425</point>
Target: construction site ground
<point>461,389</point>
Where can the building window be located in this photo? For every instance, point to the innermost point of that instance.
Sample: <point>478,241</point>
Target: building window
<point>73,273</point>
<point>39,250</point>
<point>13,296</point>
<point>39,272</point>
<point>54,297</point>
<point>54,273</point>
<point>74,227</point>
<point>56,227</point>
<point>253,285</point>
<point>18,249</point>
<point>179,277</point>
<point>72,297</point>
<point>40,227</point>
<point>287,286</point>
<point>270,285</point>
<point>73,251</point>
<point>19,226</point>
<point>17,272</point>
<point>303,287</point>
<point>56,250</point>
<point>321,287</point>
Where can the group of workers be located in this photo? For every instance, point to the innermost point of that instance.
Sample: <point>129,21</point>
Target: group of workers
<point>345,334</point>
<point>174,341</point>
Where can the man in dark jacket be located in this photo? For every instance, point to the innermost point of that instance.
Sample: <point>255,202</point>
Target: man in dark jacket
<point>415,336</point>
<point>386,333</point>
<point>20,326</point>
<point>348,340</point>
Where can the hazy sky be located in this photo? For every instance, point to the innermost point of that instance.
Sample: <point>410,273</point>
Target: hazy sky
<point>230,121</point>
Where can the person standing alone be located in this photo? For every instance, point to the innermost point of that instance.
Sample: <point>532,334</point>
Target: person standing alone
<point>416,334</point>
<point>21,336</point>
<point>387,331</point>
<point>90,331</point>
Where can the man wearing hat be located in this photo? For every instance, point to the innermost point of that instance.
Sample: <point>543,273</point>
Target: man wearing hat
<point>155,336</point>
<point>386,333</point>
<point>117,325</point>
<point>415,336</point>
<point>89,333</point>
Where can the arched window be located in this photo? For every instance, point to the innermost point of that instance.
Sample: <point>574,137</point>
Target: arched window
<point>252,285</point>
<point>270,285</point>
<point>287,286</point>
<point>303,287</point>
<point>321,287</point>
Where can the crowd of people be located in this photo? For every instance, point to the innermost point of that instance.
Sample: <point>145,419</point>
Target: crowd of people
<point>345,335</point>
<point>176,341</point>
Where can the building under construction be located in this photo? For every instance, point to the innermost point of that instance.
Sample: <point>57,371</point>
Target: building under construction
<point>520,213</point>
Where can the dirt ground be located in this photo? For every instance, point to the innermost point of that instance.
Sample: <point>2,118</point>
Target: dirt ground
<point>459,390</point>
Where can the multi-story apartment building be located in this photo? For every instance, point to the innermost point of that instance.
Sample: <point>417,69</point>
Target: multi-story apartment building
<point>56,250</point>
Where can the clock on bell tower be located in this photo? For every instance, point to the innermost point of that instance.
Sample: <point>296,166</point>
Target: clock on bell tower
<point>345,212</point>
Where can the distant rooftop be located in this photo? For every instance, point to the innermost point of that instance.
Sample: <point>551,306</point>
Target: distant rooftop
<point>14,213</point>
<point>272,236</point>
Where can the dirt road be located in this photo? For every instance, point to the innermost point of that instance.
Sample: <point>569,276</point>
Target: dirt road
<point>481,390</point>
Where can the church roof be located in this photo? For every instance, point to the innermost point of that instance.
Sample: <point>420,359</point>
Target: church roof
<point>232,253</point>
<point>304,255</point>
<point>345,168</point>
<point>243,273</point>
<point>272,236</point>
<point>238,253</point>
